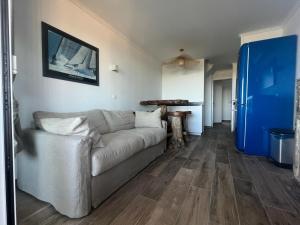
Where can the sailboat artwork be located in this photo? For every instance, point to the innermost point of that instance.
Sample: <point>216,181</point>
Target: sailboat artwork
<point>69,58</point>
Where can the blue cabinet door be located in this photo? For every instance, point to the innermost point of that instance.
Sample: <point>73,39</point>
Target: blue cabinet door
<point>241,97</point>
<point>270,92</point>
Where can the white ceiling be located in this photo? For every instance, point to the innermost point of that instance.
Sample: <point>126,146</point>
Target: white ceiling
<point>205,28</point>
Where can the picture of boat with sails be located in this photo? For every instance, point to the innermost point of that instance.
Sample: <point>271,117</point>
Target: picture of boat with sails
<point>69,57</point>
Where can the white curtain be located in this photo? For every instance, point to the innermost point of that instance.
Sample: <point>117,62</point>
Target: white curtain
<point>18,144</point>
<point>296,165</point>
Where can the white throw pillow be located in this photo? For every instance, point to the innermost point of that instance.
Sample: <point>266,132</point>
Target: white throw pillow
<point>72,126</point>
<point>148,119</point>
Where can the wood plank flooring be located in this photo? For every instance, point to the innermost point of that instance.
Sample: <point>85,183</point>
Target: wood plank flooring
<point>207,183</point>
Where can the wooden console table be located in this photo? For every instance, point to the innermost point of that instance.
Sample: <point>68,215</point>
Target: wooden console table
<point>177,117</point>
<point>165,103</point>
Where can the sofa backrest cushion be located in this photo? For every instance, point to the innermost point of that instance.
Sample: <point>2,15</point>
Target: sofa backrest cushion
<point>78,126</point>
<point>95,117</point>
<point>148,119</point>
<point>119,120</point>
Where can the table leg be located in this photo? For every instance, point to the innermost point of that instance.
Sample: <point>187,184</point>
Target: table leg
<point>164,110</point>
<point>177,135</point>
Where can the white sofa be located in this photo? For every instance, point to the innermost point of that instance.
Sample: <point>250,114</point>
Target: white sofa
<point>66,172</point>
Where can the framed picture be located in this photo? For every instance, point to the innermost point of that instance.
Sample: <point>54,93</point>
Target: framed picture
<point>68,58</point>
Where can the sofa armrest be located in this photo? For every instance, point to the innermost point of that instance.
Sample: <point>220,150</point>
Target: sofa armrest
<point>56,169</point>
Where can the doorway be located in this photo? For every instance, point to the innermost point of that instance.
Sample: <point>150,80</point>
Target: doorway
<point>222,101</point>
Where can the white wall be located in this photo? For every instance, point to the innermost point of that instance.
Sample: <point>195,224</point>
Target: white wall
<point>222,74</point>
<point>180,83</point>
<point>292,26</point>
<point>261,34</point>
<point>139,77</point>
<point>187,84</point>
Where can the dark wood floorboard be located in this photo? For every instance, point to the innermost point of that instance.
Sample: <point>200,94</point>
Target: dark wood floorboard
<point>193,142</point>
<point>279,217</point>
<point>238,167</point>
<point>113,206</point>
<point>269,187</point>
<point>204,178</point>
<point>25,200</point>
<point>168,206</point>
<point>193,164</point>
<point>195,209</point>
<point>223,209</point>
<point>292,188</point>
<point>271,168</point>
<point>222,153</point>
<point>207,183</point>
<point>250,209</point>
<point>137,212</point>
<point>157,186</point>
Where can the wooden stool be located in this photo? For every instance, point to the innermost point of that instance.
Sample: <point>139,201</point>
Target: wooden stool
<point>177,123</point>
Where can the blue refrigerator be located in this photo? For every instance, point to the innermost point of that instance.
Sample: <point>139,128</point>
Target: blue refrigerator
<point>265,92</point>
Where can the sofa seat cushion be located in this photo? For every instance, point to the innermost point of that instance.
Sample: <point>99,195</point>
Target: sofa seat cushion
<point>150,136</point>
<point>118,147</point>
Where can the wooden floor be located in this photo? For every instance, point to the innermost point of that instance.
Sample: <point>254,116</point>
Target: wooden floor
<point>208,183</point>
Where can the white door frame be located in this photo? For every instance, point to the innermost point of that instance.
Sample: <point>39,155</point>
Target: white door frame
<point>232,76</point>
<point>212,95</point>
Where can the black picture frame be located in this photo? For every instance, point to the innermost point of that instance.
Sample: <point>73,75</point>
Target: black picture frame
<point>60,67</point>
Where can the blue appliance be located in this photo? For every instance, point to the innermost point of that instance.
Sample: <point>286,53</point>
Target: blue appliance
<point>265,92</point>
